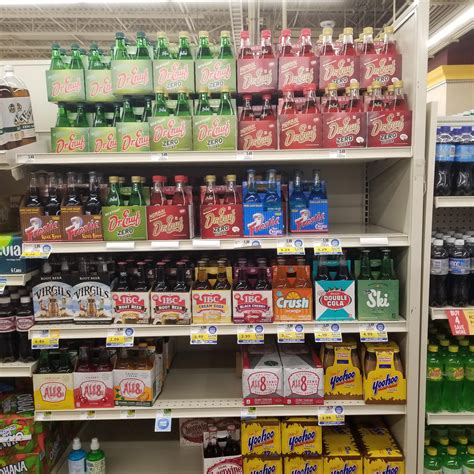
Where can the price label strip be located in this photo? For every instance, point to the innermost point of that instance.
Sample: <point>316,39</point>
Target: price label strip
<point>461,321</point>
<point>201,335</point>
<point>331,415</point>
<point>88,415</point>
<point>3,284</point>
<point>250,334</point>
<point>43,415</point>
<point>163,421</point>
<point>248,413</point>
<point>45,339</point>
<point>247,243</point>
<point>327,247</point>
<point>290,247</point>
<point>120,337</point>
<point>127,414</point>
<point>36,250</point>
<point>328,333</point>
<point>290,333</point>
<point>373,332</point>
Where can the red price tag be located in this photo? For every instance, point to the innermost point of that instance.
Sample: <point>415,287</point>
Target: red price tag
<point>461,321</point>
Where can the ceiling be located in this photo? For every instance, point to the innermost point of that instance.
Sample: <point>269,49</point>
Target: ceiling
<point>26,32</point>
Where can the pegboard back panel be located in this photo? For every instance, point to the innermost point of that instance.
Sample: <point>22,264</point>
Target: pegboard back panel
<point>453,218</point>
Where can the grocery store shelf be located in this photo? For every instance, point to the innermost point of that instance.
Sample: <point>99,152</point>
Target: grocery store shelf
<point>210,391</point>
<point>453,201</point>
<point>456,120</point>
<point>442,313</point>
<point>81,331</point>
<point>221,157</point>
<point>18,279</point>
<point>446,418</point>
<point>8,158</point>
<point>17,369</point>
<point>350,235</point>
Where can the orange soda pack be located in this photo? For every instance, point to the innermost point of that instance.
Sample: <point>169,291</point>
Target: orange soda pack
<point>292,293</point>
<point>301,435</point>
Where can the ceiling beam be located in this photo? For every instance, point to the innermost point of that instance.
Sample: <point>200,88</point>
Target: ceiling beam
<point>86,14</point>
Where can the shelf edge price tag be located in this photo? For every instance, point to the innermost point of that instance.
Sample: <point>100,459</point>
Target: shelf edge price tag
<point>126,414</point>
<point>36,250</point>
<point>163,421</point>
<point>250,334</point>
<point>328,333</point>
<point>245,155</point>
<point>331,415</point>
<point>290,333</point>
<point>373,332</point>
<point>247,243</point>
<point>248,413</point>
<point>43,415</point>
<point>461,321</point>
<point>120,337</point>
<point>3,284</point>
<point>88,415</point>
<point>339,153</point>
<point>290,247</point>
<point>45,339</point>
<point>163,156</point>
<point>203,335</point>
<point>327,247</point>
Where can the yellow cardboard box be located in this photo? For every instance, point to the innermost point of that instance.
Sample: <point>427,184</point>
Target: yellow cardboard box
<point>303,465</point>
<point>267,464</point>
<point>302,436</point>
<point>261,437</point>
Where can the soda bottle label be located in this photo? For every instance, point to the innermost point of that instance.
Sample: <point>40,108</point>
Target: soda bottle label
<point>445,152</point>
<point>434,373</point>
<point>439,266</point>
<point>469,373</point>
<point>460,266</point>
<point>454,373</point>
<point>23,323</point>
<point>7,324</point>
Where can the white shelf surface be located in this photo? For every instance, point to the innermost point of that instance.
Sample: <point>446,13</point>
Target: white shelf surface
<point>82,331</point>
<point>453,201</point>
<point>442,313</point>
<point>191,390</point>
<point>456,120</point>
<point>446,418</point>
<point>17,369</point>
<point>41,157</point>
<point>350,235</point>
<point>18,279</point>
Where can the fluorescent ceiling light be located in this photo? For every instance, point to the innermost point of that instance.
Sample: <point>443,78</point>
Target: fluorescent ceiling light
<point>458,22</point>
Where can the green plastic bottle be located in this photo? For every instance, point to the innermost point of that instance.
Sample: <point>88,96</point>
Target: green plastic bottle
<point>468,461</point>
<point>443,349</point>
<point>468,385</point>
<point>432,463</point>
<point>438,432</point>
<point>95,460</point>
<point>434,380</point>
<point>461,445</point>
<point>443,447</point>
<point>451,462</point>
<point>453,381</point>
<point>463,349</point>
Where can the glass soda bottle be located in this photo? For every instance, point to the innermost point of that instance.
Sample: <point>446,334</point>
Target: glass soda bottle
<point>95,60</point>
<point>225,104</point>
<point>81,118</point>
<point>212,450</point>
<point>202,281</point>
<point>76,61</point>
<point>181,281</point>
<point>73,198</point>
<point>348,48</point>
<point>386,271</point>
<point>316,188</point>
<point>136,196</point>
<point>306,47</point>
<point>332,100</point>
<point>231,195</point>
<point>432,462</point>
<point>93,206</point>
<point>53,204</point>
<point>267,109</point>
<point>376,103</point>
<point>203,107</point>
<point>99,116</point>
<point>297,197</point>
<point>62,119</point>
<point>204,51</point>
<point>289,105</point>
<point>8,346</point>
<point>242,282</point>
<point>120,49</point>
<point>160,109</point>
<point>286,49</point>
<point>147,110</point>
<point>127,111</point>
<point>368,46</point>
<point>439,269</point>
<point>271,195</point>
<point>434,380</point>
<point>397,102</point>
<point>222,282</point>
<point>354,104</point>
<point>468,387</point>
<point>266,48</point>
<point>453,381</point>
<point>365,269</point>
<point>142,46</point>
<point>388,46</point>
<point>310,106</point>
<point>247,110</point>
<point>157,197</point>
<point>162,51</point>
<point>57,63</point>
<point>245,51</point>
<point>179,197</point>
<point>251,195</point>
<point>114,197</point>
<point>84,363</point>
<point>225,51</point>
<point>327,48</point>
<point>262,279</point>
<point>33,199</point>
<point>161,284</point>
<point>182,104</point>
<point>210,194</point>
<point>184,50</point>
<point>44,366</point>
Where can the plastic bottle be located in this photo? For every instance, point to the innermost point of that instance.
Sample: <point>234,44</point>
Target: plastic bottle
<point>451,463</point>
<point>459,269</point>
<point>432,462</point>
<point>468,461</point>
<point>434,380</point>
<point>453,381</point>
<point>468,386</point>
<point>77,458</point>
<point>464,159</point>
<point>95,460</point>
<point>8,347</point>
<point>470,249</point>
<point>439,270</point>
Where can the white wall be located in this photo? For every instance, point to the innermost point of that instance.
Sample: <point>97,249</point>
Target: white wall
<point>453,97</point>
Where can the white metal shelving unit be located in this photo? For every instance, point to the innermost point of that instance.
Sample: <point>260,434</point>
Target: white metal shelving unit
<point>18,279</point>
<point>17,369</point>
<point>443,211</point>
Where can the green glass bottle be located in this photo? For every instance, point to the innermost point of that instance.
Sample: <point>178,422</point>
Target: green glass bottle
<point>76,60</point>
<point>225,51</point>
<point>57,62</point>
<point>162,51</point>
<point>203,107</point>
<point>386,272</point>
<point>136,196</point>
<point>142,46</point>
<point>161,109</point>
<point>432,462</point>
<point>99,117</point>
<point>62,119</point>
<point>116,116</point>
<point>182,105</point>
<point>81,119</point>
<point>120,47</point>
<point>184,50</point>
<point>95,61</point>
<point>365,271</point>
<point>225,105</point>
<point>204,51</point>
<point>147,110</point>
<point>114,198</point>
<point>127,112</point>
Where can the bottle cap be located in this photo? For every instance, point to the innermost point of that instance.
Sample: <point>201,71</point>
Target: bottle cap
<point>431,450</point>
<point>225,89</point>
<point>143,345</point>
<point>231,177</point>
<point>25,299</point>
<point>388,29</point>
<point>161,34</point>
<point>119,35</point>
<point>354,84</point>
<point>203,90</point>
<point>433,348</point>
<point>244,34</point>
<point>306,32</point>
<point>327,31</point>
<point>5,300</point>
<point>332,86</point>
<point>248,97</point>
<point>95,444</point>
<point>182,90</point>
<point>471,348</point>
<point>347,31</point>
<point>136,179</point>
<point>376,84</point>
<point>180,177</point>
<point>443,342</point>
<point>452,451</point>
<point>55,46</point>
<point>266,34</point>
<point>398,83</point>
<point>269,96</point>
<point>203,34</point>
<point>286,32</point>
<point>74,46</point>
<point>183,34</point>
<point>210,177</point>
<point>438,242</point>
<point>463,440</point>
<point>459,242</point>
<point>141,34</point>
<point>444,441</point>
<point>464,342</point>
<point>160,90</point>
<point>76,444</point>
<point>310,87</point>
<point>470,449</point>
<point>225,33</point>
<point>159,179</point>
<point>368,30</point>
<point>453,349</point>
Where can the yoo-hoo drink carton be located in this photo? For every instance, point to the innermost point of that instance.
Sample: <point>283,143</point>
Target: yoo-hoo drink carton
<point>263,464</point>
<point>301,435</point>
<point>303,464</point>
<point>262,375</point>
<point>341,453</point>
<point>261,437</point>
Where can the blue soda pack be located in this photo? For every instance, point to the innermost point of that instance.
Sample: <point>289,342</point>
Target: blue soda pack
<point>10,252</point>
<point>308,211</point>
<point>261,219</point>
